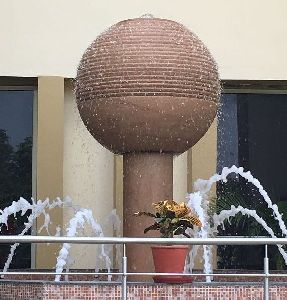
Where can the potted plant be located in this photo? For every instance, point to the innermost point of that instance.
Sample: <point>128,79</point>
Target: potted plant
<point>170,219</point>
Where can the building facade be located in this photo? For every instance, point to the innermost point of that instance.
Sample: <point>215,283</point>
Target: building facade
<point>41,45</point>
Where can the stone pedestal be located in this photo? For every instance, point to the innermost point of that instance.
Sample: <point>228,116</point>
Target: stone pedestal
<point>148,178</point>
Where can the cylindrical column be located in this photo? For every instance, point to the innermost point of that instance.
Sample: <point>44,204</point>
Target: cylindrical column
<point>148,178</point>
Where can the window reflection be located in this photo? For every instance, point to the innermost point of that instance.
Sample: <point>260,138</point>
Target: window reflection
<point>252,134</point>
<point>16,131</point>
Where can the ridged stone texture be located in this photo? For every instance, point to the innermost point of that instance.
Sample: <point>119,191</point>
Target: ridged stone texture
<point>147,85</point>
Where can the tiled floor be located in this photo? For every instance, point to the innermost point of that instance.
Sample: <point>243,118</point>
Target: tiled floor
<point>88,291</point>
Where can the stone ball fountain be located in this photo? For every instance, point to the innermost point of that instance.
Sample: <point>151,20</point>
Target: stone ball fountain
<point>147,88</point>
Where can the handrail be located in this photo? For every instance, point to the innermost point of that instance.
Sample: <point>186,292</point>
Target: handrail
<point>11,239</point>
<point>127,240</point>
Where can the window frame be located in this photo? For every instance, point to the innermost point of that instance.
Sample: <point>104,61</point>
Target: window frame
<point>34,149</point>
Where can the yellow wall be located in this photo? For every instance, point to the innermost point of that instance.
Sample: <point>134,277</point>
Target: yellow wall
<point>204,155</point>
<point>179,177</point>
<point>49,157</point>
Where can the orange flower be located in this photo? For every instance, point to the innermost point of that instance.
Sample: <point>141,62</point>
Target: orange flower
<point>171,218</point>
<point>180,209</point>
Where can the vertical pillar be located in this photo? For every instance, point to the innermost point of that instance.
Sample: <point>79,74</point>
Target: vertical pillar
<point>180,177</point>
<point>49,157</point>
<point>118,186</point>
<point>148,178</point>
<point>189,171</point>
<point>204,156</point>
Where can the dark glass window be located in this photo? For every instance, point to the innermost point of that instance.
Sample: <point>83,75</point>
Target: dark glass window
<point>252,132</point>
<point>16,131</point>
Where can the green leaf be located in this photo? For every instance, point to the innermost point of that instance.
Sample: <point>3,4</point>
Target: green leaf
<point>170,214</point>
<point>181,230</point>
<point>178,231</point>
<point>155,226</point>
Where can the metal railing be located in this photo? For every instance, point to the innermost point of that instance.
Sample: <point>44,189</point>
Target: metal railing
<point>174,241</point>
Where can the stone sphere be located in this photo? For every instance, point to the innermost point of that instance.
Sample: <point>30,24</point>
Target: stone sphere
<point>147,85</point>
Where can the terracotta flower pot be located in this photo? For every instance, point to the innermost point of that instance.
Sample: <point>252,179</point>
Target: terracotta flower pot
<point>170,259</point>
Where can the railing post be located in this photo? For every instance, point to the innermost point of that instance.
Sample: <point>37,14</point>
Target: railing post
<point>266,272</point>
<point>124,276</point>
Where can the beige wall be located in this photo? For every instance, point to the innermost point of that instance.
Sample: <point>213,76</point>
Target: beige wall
<point>48,37</point>
<point>88,175</point>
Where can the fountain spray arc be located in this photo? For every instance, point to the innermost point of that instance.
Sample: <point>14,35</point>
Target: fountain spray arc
<point>147,88</point>
<point>199,201</point>
<point>38,208</point>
